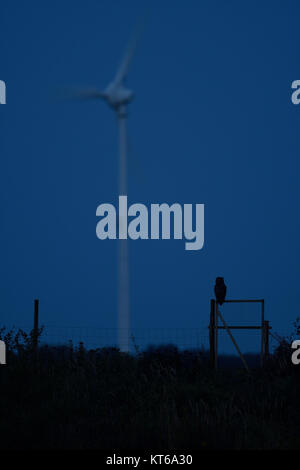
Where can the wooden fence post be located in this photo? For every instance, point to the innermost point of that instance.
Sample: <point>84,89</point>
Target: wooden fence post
<point>36,326</point>
<point>267,331</point>
<point>262,350</point>
<point>212,349</point>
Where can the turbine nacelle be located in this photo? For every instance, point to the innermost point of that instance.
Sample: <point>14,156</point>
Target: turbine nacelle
<point>117,95</point>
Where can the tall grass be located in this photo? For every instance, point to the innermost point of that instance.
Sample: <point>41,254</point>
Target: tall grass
<point>70,397</point>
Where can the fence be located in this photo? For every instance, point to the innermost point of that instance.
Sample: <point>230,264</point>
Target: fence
<point>141,338</point>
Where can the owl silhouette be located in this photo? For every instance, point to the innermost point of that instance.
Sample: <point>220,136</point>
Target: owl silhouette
<point>220,290</point>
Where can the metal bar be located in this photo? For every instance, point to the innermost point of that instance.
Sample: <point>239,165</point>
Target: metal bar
<point>229,301</point>
<point>241,327</point>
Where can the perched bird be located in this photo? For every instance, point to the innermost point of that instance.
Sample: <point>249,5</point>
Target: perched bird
<point>220,290</point>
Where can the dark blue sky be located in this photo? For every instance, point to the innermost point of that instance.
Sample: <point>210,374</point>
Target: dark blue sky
<point>212,123</point>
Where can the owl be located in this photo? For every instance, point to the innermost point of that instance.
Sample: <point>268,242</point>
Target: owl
<point>220,290</point>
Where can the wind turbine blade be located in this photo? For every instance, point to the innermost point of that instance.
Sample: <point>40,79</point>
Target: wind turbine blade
<point>88,94</point>
<point>76,94</point>
<point>129,53</point>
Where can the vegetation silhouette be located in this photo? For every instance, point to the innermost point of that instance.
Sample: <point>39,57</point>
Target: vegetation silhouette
<point>68,397</point>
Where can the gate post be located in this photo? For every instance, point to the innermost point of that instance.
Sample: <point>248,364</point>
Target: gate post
<point>212,345</point>
<point>267,331</point>
<point>36,327</point>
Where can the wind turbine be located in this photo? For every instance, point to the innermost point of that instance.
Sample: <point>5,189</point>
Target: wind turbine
<point>118,96</point>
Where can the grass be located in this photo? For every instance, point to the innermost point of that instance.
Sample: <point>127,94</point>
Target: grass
<point>161,398</point>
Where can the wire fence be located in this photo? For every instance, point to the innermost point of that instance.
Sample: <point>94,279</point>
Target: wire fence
<point>139,339</point>
<point>142,338</point>
<point>241,314</point>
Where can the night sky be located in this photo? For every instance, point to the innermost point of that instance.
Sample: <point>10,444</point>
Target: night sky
<point>212,123</point>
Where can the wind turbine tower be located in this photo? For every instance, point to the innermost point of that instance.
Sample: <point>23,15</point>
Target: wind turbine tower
<point>118,97</point>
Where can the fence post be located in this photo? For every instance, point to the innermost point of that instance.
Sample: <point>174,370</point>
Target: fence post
<point>212,348</point>
<point>262,350</point>
<point>36,326</point>
<point>267,331</point>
